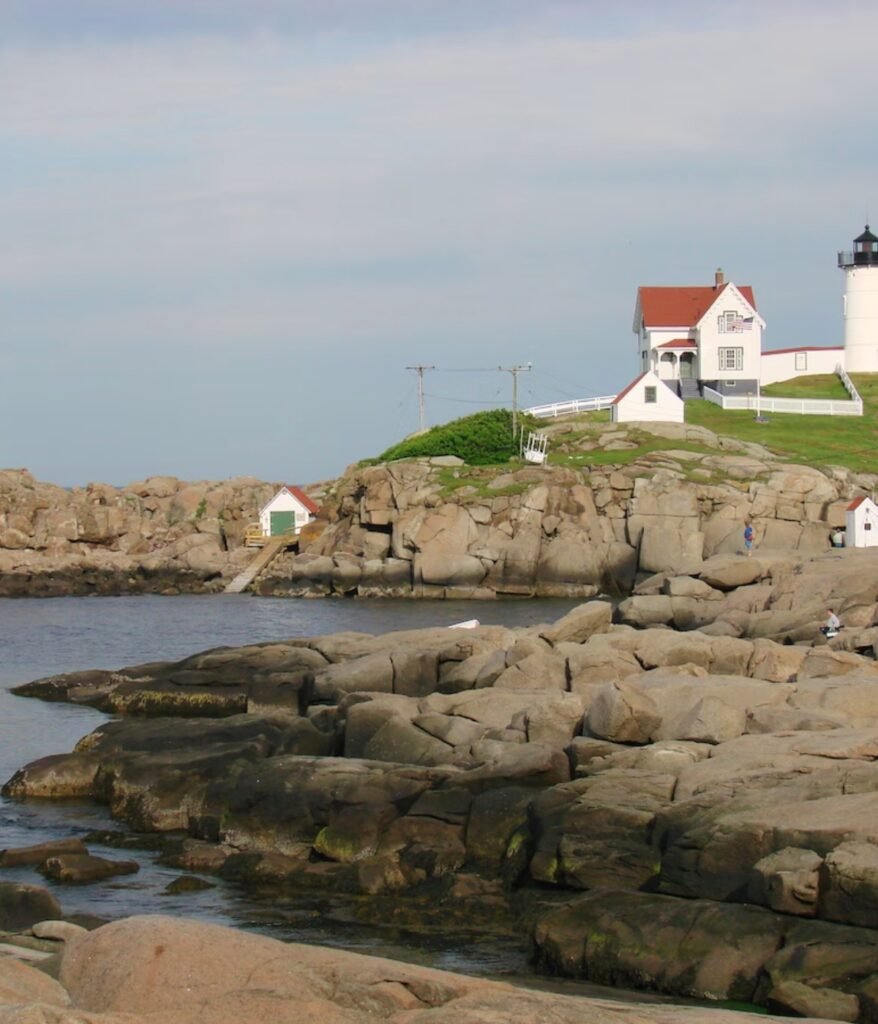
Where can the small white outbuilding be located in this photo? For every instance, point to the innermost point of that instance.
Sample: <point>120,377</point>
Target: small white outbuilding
<point>287,512</point>
<point>648,399</point>
<point>861,524</point>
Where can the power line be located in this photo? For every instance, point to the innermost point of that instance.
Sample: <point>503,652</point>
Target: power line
<point>464,401</point>
<point>466,369</point>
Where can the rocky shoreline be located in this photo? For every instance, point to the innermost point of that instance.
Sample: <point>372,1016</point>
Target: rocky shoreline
<point>436,528</point>
<point>685,810</point>
<point>180,971</point>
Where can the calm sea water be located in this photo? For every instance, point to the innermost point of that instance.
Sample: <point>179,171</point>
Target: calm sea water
<point>45,637</point>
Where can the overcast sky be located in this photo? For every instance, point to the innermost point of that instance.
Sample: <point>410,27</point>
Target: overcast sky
<point>230,225</point>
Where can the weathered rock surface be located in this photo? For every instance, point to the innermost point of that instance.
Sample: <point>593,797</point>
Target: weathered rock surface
<point>156,535</point>
<point>185,972</point>
<point>437,528</point>
<point>697,805</point>
<point>21,905</point>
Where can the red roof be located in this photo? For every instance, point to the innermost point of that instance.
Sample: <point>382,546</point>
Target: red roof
<point>297,492</point>
<point>856,503</point>
<point>682,307</point>
<point>678,343</point>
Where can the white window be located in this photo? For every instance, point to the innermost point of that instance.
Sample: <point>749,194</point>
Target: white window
<point>649,395</point>
<point>801,360</point>
<point>729,322</point>
<point>731,358</point>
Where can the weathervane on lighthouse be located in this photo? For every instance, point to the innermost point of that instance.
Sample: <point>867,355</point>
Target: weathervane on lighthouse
<point>861,304</point>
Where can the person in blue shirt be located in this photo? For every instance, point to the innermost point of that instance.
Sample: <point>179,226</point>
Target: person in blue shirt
<point>748,538</point>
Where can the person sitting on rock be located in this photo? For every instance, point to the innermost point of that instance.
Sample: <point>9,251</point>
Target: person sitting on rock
<point>833,624</point>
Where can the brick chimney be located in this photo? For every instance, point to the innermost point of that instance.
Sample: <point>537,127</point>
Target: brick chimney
<point>719,278</point>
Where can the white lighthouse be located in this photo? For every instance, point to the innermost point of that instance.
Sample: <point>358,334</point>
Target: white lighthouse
<point>861,304</point>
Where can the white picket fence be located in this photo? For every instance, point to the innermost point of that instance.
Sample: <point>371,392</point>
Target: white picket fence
<point>802,406</point>
<point>574,405</point>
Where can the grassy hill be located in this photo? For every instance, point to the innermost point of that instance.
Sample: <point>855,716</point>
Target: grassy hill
<point>821,441</point>
<point>850,441</point>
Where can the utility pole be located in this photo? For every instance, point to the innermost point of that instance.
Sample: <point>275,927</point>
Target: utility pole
<point>515,371</point>
<point>419,370</point>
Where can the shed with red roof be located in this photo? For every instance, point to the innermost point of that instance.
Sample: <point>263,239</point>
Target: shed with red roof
<point>287,512</point>
<point>861,523</point>
<point>647,399</point>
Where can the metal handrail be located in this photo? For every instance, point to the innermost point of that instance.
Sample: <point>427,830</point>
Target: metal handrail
<point>858,259</point>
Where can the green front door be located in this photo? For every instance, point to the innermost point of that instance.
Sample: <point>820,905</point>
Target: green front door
<point>282,522</point>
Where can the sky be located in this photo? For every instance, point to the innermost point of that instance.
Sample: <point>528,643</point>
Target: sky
<point>230,226</point>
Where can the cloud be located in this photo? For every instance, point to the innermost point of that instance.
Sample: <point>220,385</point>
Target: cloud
<point>284,180</point>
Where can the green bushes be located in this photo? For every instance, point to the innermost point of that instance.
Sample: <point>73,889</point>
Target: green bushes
<point>480,440</point>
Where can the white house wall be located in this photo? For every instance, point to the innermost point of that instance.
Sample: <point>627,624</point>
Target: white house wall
<point>783,365</point>
<point>861,526</point>
<point>656,337</point>
<point>711,340</point>
<point>633,407</point>
<point>283,501</point>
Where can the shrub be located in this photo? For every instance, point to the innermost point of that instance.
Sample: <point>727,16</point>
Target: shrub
<point>480,440</point>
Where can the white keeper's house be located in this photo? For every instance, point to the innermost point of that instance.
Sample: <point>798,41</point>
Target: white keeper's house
<point>700,335</point>
<point>705,341</point>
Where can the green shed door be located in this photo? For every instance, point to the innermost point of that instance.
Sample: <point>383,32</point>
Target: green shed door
<point>282,522</point>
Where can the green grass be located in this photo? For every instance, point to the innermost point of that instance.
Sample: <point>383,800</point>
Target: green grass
<point>818,385</point>
<point>849,441</point>
<point>485,438</point>
<point>820,441</point>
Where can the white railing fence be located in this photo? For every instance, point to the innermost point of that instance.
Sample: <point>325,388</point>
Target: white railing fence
<point>802,406</point>
<point>841,373</point>
<point>573,406</point>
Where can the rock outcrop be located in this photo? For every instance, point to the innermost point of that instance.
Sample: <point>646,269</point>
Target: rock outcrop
<point>438,528</point>
<point>184,972</point>
<point>159,534</point>
<point>698,807</point>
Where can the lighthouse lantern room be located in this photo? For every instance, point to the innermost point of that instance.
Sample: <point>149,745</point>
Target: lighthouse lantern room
<point>861,304</point>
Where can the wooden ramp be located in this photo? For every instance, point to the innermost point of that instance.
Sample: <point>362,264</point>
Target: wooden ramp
<point>267,553</point>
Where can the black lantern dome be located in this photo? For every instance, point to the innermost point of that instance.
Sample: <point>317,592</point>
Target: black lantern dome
<point>865,252</point>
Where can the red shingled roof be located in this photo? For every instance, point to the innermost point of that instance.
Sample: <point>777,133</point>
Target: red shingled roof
<point>856,503</point>
<point>678,343</point>
<point>297,492</point>
<point>682,307</point>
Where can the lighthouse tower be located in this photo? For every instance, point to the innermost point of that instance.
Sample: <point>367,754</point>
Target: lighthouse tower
<point>861,304</point>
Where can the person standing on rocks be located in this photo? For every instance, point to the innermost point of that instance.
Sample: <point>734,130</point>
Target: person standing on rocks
<point>833,624</point>
<point>748,538</point>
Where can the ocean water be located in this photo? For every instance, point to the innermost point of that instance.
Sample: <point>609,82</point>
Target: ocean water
<point>45,637</point>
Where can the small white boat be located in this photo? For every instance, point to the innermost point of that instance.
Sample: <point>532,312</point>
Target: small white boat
<point>467,624</point>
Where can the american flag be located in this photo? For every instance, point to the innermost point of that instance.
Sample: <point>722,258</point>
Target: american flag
<point>746,323</point>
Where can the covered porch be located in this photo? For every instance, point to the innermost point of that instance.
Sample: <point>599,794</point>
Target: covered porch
<point>676,360</point>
